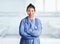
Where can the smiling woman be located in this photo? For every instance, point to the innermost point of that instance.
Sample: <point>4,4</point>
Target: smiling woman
<point>30,27</point>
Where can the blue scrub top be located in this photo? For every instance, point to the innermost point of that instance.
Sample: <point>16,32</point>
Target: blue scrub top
<point>30,30</point>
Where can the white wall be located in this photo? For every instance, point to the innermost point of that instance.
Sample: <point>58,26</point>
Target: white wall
<point>12,11</point>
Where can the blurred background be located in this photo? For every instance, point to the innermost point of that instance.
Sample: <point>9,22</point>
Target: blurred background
<point>12,11</point>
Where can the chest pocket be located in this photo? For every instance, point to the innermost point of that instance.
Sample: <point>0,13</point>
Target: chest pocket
<point>26,24</point>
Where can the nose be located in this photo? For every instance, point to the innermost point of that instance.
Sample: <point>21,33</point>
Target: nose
<point>30,12</point>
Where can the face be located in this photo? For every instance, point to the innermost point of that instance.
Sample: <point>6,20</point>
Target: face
<point>30,12</point>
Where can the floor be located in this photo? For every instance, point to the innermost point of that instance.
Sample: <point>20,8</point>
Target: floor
<point>17,40</point>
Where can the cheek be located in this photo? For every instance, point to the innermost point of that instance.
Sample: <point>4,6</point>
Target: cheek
<point>31,13</point>
<point>27,12</point>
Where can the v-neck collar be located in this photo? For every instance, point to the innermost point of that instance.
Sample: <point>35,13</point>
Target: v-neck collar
<point>29,20</point>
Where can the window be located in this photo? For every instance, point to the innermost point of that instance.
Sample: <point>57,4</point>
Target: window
<point>39,5</point>
<point>50,5</point>
<point>58,5</point>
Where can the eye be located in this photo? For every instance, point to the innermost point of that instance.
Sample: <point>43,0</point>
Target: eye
<point>28,10</point>
<point>32,11</point>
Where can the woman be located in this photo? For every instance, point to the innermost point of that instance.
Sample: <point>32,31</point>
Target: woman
<point>30,27</point>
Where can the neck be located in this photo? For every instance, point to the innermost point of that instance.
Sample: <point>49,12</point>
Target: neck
<point>31,18</point>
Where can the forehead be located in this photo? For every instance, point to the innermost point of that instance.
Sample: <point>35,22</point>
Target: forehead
<point>30,8</point>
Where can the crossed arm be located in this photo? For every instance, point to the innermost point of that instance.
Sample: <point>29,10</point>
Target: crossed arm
<point>35,31</point>
<point>30,32</point>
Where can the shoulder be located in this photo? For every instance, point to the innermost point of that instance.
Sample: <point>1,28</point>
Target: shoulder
<point>23,20</point>
<point>37,19</point>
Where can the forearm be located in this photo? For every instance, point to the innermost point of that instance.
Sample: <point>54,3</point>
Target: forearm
<point>34,33</point>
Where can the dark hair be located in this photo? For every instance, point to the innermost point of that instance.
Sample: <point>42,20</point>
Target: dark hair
<point>31,6</point>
